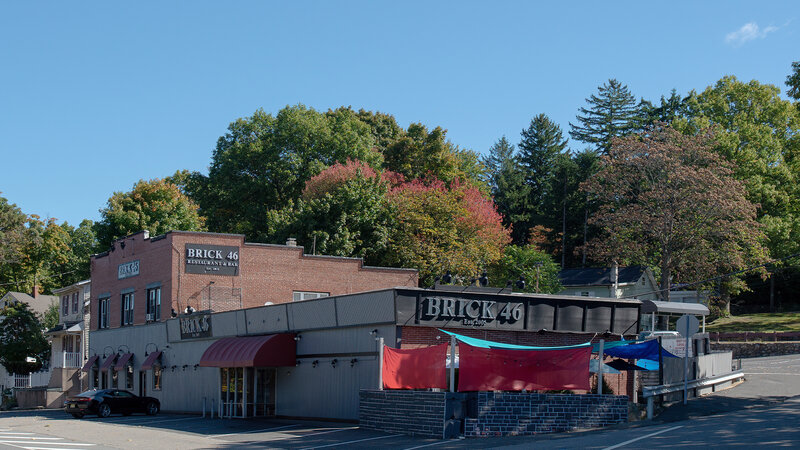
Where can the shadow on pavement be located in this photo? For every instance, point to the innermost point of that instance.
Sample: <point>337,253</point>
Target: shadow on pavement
<point>712,405</point>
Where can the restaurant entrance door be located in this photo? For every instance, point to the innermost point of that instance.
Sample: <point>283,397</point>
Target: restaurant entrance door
<point>247,392</point>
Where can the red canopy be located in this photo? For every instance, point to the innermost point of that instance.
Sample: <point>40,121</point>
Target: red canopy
<point>416,368</point>
<point>108,362</point>
<point>122,361</point>
<point>88,366</point>
<point>483,369</point>
<point>151,359</point>
<point>276,350</point>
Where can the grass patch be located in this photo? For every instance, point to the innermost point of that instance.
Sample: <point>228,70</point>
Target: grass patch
<point>765,322</point>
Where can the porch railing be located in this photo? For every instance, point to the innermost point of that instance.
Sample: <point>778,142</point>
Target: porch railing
<point>67,359</point>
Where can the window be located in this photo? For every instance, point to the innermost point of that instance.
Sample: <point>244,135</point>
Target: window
<point>104,381</point>
<point>95,378</point>
<point>114,378</point>
<point>129,377</point>
<point>103,318</point>
<point>156,378</point>
<point>127,309</point>
<point>153,305</point>
<point>64,305</point>
<point>75,303</point>
<point>298,296</point>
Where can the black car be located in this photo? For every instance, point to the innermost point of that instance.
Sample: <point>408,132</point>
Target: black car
<point>104,402</point>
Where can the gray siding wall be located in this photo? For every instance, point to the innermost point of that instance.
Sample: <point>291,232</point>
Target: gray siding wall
<point>329,328</point>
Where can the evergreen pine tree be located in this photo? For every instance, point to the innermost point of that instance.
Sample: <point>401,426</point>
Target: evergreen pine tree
<point>613,112</point>
<point>542,143</point>
<point>508,187</point>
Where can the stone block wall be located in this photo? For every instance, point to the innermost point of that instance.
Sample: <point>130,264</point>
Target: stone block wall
<point>757,349</point>
<point>517,414</point>
<point>416,413</point>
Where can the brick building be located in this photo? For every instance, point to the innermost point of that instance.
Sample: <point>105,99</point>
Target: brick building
<point>143,279</point>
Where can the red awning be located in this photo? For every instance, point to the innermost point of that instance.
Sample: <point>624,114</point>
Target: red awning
<point>150,360</point>
<point>122,361</point>
<point>88,366</point>
<point>108,362</point>
<point>276,350</point>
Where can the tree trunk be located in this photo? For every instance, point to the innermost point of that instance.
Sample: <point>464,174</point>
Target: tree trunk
<point>665,273</point>
<point>725,298</point>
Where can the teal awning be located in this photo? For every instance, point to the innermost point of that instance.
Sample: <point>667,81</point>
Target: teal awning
<point>475,342</point>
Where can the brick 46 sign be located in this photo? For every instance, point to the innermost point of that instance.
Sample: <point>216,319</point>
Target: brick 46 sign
<point>475,313</point>
<point>212,259</point>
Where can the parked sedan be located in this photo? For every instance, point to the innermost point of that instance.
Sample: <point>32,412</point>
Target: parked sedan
<point>105,402</point>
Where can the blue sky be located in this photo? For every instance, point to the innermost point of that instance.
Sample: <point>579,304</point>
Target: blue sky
<point>95,96</point>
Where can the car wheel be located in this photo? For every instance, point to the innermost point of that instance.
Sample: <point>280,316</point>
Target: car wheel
<point>77,416</point>
<point>104,410</point>
<point>151,409</point>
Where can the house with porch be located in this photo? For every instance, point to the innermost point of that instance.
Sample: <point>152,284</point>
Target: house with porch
<point>69,343</point>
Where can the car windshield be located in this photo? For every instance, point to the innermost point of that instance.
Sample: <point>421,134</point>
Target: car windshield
<point>91,393</point>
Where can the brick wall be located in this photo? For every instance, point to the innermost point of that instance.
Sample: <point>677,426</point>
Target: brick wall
<point>517,414</point>
<point>416,413</point>
<point>418,337</point>
<point>267,273</point>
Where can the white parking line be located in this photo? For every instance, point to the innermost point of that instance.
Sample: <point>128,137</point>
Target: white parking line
<point>621,444</point>
<point>55,443</point>
<point>254,431</point>
<point>160,421</point>
<point>353,442</point>
<point>328,432</point>
<point>427,445</point>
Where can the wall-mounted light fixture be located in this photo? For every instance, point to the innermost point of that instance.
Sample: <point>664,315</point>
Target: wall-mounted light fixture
<point>334,362</point>
<point>122,245</point>
<point>315,363</point>
<point>374,332</point>
<point>185,366</point>
<point>196,366</point>
<point>297,337</point>
<point>146,347</point>
<point>353,362</point>
<point>297,363</point>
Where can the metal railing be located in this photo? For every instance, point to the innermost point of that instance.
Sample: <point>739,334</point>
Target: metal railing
<point>650,392</point>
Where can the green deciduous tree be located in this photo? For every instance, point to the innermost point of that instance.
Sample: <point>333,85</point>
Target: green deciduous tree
<point>12,231</point>
<point>264,161</point>
<point>156,205</point>
<point>536,267</point>
<point>669,202</point>
<point>612,112</point>
<point>343,212</point>
<point>420,153</point>
<point>759,133</point>
<point>21,338</point>
<point>793,82</point>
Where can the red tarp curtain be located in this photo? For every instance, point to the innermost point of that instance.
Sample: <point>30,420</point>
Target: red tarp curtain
<point>482,369</point>
<point>415,369</point>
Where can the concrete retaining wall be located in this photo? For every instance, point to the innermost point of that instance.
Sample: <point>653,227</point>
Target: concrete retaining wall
<point>757,349</point>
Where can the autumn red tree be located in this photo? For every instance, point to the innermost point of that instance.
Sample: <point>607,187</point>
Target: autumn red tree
<point>669,202</point>
<point>444,227</point>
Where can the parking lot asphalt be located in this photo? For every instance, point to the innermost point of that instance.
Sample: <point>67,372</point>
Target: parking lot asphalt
<point>54,429</point>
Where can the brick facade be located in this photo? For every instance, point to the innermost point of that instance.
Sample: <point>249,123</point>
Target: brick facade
<point>519,414</point>
<point>267,273</point>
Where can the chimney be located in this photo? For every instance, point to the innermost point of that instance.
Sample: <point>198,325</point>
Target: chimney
<point>291,242</point>
<point>35,291</point>
<point>615,277</point>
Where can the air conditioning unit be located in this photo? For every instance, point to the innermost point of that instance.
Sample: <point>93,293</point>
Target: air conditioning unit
<point>149,317</point>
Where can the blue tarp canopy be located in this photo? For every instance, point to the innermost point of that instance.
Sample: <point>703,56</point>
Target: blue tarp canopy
<point>610,344</point>
<point>475,342</point>
<point>644,350</point>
